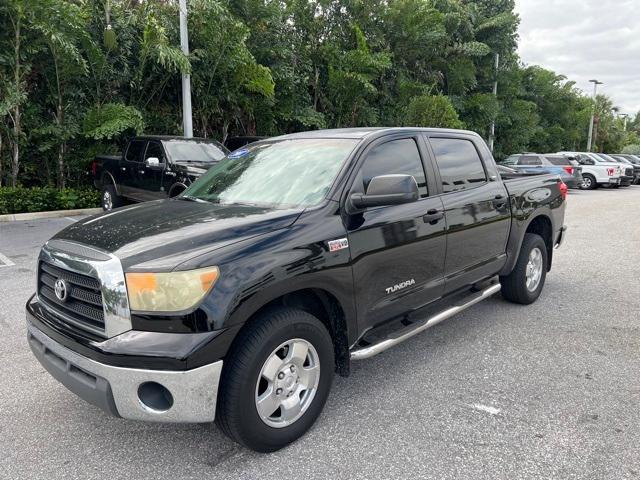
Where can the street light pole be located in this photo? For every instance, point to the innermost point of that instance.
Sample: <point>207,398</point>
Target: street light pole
<point>624,116</point>
<point>593,112</point>
<point>492,132</point>
<point>187,122</point>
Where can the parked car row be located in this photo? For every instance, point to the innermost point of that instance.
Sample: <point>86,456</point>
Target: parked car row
<point>585,170</point>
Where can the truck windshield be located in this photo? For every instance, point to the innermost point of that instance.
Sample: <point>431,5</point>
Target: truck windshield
<point>287,173</point>
<point>194,151</point>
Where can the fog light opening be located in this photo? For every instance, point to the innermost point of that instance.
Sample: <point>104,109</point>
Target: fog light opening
<point>155,397</point>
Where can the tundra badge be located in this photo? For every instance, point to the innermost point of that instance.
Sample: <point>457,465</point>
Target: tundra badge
<point>400,286</point>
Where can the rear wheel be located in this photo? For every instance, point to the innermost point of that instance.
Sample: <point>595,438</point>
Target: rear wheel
<point>110,199</point>
<point>588,182</point>
<point>276,380</point>
<point>524,284</point>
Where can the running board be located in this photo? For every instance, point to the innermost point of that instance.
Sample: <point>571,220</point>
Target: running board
<point>371,350</point>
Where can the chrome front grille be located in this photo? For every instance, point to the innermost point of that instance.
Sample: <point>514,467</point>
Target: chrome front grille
<point>83,288</point>
<point>82,306</point>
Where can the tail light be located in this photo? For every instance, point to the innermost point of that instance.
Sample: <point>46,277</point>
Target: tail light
<point>569,170</point>
<point>611,172</point>
<point>563,189</point>
<point>94,168</point>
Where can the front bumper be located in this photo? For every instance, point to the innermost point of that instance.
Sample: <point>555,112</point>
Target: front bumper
<point>560,237</point>
<point>137,394</point>
<point>625,181</point>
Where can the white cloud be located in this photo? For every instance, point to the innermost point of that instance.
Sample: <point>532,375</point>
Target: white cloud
<point>585,39</point>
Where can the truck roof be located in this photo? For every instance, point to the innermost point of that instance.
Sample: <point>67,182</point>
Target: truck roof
<point>363,132</point>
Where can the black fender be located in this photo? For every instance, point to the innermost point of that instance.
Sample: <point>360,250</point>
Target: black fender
<point>177,185</point>
<point>107,178</point>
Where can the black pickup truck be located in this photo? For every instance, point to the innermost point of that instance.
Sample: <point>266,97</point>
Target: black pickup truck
<point>153,167</point>
<point>289,259</point>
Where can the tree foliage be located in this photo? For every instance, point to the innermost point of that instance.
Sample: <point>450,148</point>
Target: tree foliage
<point>79,76</point>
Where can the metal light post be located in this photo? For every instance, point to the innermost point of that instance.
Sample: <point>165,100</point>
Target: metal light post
<point>492,132</point>
<point>593,112</point>
<point>187,122</point>
<point>624,116</point>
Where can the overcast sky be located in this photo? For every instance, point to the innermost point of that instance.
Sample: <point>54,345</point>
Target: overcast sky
<point>586,39</point>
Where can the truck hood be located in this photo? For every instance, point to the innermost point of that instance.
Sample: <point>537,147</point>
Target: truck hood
<point>162,234</point>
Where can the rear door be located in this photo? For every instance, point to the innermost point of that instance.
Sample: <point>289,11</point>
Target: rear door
<point>397,251</point>
<point>477,210</point>
<point>129,169</point>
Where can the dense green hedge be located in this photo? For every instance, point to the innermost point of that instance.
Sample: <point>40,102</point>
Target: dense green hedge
<point>42,199</point>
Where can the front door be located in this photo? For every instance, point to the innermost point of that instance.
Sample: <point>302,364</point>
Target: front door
<point>150,179</point>
<point>397,251</point>
<point>477,212</point>
<point>130,167</point>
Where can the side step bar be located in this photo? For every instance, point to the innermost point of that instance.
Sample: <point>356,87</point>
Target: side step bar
<point>371,350</point>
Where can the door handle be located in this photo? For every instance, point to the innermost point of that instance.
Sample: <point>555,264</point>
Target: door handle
<point>124,169</point>
<point>433,216</point>
<point>499,201</point>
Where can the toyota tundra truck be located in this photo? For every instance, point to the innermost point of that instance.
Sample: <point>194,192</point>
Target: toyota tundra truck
<point>293,257</point>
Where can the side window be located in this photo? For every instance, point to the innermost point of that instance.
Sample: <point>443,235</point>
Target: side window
<point>395,157</point>
<point>459,163</point>
<point>512,160</point>
<point>530,160</point>
<point>134,152</point>
<point>154,149</point>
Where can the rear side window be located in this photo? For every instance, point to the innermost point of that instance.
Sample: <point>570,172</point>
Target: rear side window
<point>530,160</point>
<point>459,164</point>
<point>558,160</point>
<point>395,157</point>
<point>134,152</point>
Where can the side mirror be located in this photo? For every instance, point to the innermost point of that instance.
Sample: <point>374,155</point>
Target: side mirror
<point>387,190</point>
<point>153,163</point>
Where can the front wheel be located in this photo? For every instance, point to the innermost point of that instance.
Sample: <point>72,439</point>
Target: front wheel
<point>524,284</point>
<point>276,380</point>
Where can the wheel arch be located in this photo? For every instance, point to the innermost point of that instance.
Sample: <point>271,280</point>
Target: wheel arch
<point>107,179</point>
<point>540,224</point>
<point>323,305</point>
<point>176,189</point>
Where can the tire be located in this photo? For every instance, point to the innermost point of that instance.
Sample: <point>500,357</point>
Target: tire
<point>110,199</point>
<point>244,380</point>
<point>588,182</point>
<point>515,286</point>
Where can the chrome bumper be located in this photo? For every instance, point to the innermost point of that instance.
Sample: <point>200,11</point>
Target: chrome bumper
<point>135,394</point>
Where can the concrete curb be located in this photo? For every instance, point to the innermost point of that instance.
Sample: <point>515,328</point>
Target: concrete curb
<point>17,217</point>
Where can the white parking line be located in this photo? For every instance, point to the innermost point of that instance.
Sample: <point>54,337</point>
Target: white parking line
<point>5,261</point>
<point>71,219</point>
<point>485,408</point>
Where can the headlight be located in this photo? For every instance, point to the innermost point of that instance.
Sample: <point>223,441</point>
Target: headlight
<point>169,292</point>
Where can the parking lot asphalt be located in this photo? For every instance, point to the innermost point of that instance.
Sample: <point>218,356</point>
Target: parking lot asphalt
<point>550,390</point>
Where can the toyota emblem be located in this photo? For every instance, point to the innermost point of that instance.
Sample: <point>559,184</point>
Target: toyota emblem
<point>61,290</point>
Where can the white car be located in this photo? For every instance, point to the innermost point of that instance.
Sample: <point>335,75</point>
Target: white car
<point>596,171</point>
